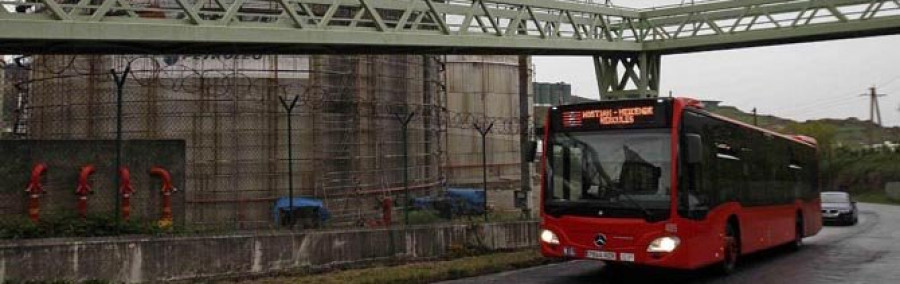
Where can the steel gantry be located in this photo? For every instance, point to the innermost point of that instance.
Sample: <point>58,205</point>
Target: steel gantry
<point>626,43</point>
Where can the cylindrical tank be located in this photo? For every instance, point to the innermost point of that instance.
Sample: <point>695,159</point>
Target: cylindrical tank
<point>483,89</point>
<point>347,145</point>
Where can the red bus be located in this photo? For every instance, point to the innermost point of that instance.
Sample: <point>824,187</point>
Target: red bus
<point>662,182</point>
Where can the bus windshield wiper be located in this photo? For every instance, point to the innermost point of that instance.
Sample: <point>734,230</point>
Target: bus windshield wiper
<point>647,213</point>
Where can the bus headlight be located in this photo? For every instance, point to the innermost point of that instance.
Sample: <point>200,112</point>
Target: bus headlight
<point>549,237</point>
<point>664,244</point>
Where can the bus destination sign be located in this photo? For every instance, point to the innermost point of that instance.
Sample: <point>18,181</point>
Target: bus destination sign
<point>614,116</point>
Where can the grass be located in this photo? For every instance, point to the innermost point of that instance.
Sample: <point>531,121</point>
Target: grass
<point>875,196</point>
<point>424,272</point>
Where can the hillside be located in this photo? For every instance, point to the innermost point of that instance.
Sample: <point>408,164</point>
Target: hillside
<point>850,132</point>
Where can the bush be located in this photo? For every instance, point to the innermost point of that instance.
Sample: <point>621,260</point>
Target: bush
<point>73,226</point>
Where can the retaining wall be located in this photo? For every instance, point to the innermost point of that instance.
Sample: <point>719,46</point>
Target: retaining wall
<point>145,259</point>
<point>892,190</point>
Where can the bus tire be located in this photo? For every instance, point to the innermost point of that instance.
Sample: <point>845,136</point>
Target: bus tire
<point>798,233</point>
<point>732,249</point>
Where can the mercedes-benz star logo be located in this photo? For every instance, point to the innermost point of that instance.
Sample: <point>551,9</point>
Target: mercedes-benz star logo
<point>600,240</point>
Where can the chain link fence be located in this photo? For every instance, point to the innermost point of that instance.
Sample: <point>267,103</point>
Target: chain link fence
<point>346,146</point>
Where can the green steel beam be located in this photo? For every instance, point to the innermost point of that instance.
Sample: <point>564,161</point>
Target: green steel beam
<point>310,26</point>
<point>737,24</point>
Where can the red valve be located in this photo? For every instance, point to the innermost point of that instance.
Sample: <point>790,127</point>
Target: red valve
<point>167,189</point>
<point>387,205</point>
<point>126,190</point>
<point>83,189</point>
<point>34,190</point>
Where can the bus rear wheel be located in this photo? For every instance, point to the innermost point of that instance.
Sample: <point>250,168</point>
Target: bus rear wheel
<point>732,249</point>
<point>798,234</point>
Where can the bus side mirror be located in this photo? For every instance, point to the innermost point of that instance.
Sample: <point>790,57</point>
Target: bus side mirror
<point>531,152</point>
<point>694,148</point>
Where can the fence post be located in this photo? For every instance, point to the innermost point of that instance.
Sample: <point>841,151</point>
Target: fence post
<point>404,123</point>
<point>484,132</point>
<point>289,109</point>
<point>120,86</point>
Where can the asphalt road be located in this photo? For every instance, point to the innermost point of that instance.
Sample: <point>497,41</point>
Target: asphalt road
<point>868,252</point>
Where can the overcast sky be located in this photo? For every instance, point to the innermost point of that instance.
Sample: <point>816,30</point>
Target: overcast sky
<point>798,81</point>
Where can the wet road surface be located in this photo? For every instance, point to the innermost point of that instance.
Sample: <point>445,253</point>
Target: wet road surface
<point>868,252</point>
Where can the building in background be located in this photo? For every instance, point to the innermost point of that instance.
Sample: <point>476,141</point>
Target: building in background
<point>547,95</point>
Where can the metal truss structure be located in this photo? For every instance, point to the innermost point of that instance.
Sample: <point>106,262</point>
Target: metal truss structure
<point>618,37</point>
<point>427,26</point>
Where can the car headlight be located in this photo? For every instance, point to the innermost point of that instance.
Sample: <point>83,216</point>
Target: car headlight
<point>664,244</point>
<point>549,237</point>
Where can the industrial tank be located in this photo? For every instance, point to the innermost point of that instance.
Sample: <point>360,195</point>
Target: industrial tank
<point>480,90</point>
<point>347,146</point>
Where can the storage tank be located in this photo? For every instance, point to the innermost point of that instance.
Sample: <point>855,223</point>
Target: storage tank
<point>347,144</point>
<point>484,89</point>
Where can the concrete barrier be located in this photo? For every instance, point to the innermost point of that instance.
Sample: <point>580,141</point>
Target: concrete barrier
<point>892,190</point>
<point>148,259</point>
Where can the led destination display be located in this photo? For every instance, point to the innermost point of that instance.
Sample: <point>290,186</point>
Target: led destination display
<point>613,115</point>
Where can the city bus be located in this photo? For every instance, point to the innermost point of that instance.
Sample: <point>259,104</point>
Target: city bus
<point>662,182</point>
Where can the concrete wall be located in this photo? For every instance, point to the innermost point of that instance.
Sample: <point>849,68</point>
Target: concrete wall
<point>144,259</point>
<point>892,189</point>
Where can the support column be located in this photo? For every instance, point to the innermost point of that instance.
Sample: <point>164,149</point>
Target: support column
<point>524,135</point>
<point>627,75</point>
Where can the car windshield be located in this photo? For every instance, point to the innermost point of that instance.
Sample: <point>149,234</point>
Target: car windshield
<point>835,198</point>
<point>627,170</point>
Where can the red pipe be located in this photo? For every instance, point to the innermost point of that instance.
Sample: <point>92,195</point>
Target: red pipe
<point>83,189</point>
<point>167,189</point>
<point>126,190</point>
<point>34,190</point>
<point>387,205</point>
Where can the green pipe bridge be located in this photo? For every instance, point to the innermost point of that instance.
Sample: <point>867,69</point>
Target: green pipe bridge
<point>626,43</point>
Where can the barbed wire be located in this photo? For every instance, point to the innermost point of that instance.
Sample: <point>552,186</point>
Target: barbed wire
<point>192,84</point>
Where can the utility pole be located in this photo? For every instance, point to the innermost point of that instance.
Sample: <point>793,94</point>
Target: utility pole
<point>874,110</point>
<point>755,122</point>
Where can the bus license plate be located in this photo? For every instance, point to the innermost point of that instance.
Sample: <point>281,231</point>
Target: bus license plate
<point>604,255</point>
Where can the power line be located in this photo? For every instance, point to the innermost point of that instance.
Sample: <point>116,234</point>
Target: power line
<point>820,106</point>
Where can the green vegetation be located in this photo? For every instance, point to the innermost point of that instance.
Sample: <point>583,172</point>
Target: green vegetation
<point>424,272</point>
<point>850,132</point>
<point>72,226</point>
<point>421,217</point>
<point>875,197</point>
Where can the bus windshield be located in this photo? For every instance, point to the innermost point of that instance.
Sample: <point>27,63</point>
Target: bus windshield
<point>614,173</point>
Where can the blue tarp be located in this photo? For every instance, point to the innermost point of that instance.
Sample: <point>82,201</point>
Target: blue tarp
<point>456,200</point>
<point>300,202</point>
